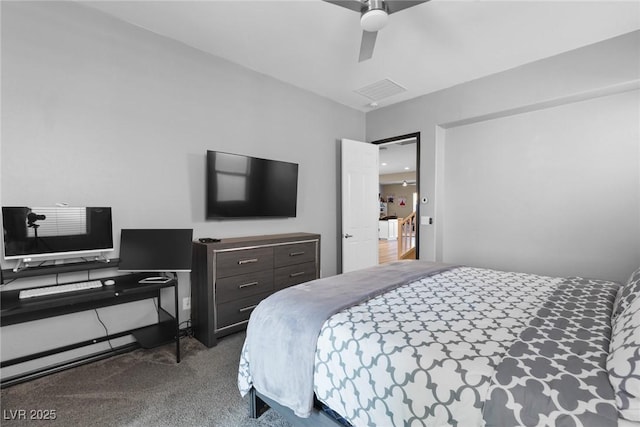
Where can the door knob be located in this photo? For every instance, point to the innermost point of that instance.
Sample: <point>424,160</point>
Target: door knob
<point>346,236</point>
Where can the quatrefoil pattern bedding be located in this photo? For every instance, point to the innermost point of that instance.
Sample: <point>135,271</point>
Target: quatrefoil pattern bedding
<point>629,292</point>
<point>623,362</point>
<point>479,347</point>
<point>555,373</point>
<point>438,339</point>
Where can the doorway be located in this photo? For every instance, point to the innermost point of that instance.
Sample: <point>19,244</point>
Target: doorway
<point>399,180</point>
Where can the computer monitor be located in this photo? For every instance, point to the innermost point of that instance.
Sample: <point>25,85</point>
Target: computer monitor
<point>43,233</point>
<point>162,250</point>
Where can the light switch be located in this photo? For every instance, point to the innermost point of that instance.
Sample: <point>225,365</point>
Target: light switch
<point>425,220</point>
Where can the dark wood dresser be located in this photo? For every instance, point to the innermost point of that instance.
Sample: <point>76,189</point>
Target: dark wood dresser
<point>230,277</point>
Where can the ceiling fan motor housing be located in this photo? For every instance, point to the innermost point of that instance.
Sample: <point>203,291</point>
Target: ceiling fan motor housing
<point>374,15</point>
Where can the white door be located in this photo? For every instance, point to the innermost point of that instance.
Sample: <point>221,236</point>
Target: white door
<point>360,205</point>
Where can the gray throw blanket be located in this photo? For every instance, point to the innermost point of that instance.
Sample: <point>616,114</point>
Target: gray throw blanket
<point>284,328</point>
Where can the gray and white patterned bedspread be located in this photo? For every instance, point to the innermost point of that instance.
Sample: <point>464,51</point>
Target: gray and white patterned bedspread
<point>425,354</point>
<point>439,339</point>
<point>555,373</point>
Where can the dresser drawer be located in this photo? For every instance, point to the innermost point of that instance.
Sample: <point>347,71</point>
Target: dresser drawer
<point>294,274</point>
<point>297,253</point>
<point>245,261</point>
<point>238,311</point>
<point>244,285</point>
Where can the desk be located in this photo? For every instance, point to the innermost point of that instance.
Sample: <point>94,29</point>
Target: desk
<point>126,289</point>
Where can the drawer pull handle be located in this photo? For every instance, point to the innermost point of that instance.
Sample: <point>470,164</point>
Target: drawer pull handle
<point>300,273</point>
<point>246,285</point>
<point>247,261</point>
<point>296,253</point>
<point>251,307</point>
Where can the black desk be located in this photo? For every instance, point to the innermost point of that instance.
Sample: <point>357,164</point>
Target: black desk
<point>126,289</point>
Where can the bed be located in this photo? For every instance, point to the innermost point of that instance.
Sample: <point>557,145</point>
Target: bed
<point>414,343</point>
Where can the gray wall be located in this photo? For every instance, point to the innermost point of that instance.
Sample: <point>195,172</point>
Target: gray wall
<point>554,190</point>
<point>99,112</point>
<point>605,68</point>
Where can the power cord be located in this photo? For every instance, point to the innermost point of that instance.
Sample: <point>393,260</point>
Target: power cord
<point>186,332</point>
<point>106,331</point>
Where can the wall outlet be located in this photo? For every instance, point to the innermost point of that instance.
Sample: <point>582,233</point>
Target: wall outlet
<point>186,303</point>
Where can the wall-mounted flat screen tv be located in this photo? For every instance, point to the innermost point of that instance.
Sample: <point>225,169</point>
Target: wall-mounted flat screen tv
<point>56,232</point>
<point>249,187</point>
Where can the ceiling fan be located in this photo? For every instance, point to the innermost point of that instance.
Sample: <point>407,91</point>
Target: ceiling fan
<point>373,17</point>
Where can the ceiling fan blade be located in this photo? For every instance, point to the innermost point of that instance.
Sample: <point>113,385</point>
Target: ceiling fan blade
<point>354,5</point>
<point>367,45</point>
<point>394,6</point>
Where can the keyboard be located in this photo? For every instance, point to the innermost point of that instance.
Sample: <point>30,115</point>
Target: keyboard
<point>58,289</point>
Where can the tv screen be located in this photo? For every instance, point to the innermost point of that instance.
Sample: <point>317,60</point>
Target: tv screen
<point>155,250</point>
<point>249,187</point>
<point>32,232</point>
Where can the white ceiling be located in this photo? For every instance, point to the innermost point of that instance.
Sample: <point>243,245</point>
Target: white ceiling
<point>398,158</point>
<point>314,45</point>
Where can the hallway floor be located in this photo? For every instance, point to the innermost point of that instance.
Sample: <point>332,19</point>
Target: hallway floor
<point>387,250</point>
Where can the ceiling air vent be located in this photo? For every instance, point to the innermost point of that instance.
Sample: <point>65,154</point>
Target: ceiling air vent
<point>380,90</point>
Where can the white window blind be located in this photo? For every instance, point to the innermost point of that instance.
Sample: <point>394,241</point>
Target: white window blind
<point>59,222</point>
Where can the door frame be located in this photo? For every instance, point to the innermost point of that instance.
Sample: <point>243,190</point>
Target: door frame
<point>415,135</point>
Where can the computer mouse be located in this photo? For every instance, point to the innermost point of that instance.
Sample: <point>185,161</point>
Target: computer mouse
<point>109,282</point>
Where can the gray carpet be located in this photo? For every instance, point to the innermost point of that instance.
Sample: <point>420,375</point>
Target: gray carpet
<point>144,388</point>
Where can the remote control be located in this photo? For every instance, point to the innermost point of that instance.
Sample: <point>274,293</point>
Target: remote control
<point>208,240</point>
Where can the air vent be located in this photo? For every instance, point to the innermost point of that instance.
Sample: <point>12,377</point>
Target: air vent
<point>380,90</point>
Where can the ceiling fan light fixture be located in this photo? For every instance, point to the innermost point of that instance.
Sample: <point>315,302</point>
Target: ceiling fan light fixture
<point>374,20</point>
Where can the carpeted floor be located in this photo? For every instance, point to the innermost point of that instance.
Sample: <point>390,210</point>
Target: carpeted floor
<point>143,388</point>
